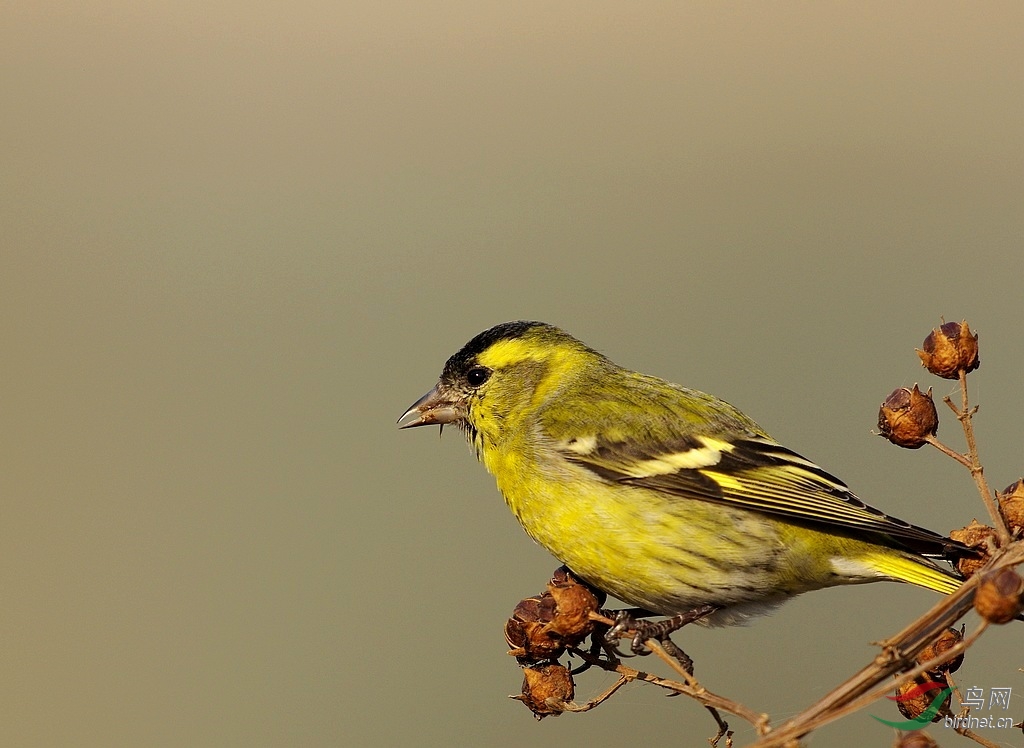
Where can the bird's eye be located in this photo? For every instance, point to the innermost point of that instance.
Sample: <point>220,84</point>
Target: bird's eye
<point>478,375</point>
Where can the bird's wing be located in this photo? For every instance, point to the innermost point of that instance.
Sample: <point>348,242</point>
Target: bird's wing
<point>751,473</point>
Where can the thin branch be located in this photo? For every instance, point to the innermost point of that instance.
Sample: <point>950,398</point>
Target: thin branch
<point>692,688</point>
<point>965,414</point>
<point>949,452</point>
<point>572,706</point>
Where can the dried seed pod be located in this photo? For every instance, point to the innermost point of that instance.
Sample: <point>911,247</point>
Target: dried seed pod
<point>542,626</point>
<point>915,697</point>
<point>943,643</point>
<point>908,417</point>
<point>516,636</point>
<point>1000,596</point>
<point>975,535</point>
<point>915,740</point>
<point>529,631</point>
<point>546,688</point>
<point>539,608</point>
<point>1011,502</point>
<point>563,577</point>
<point>574,603</point>
<point>950,349</point>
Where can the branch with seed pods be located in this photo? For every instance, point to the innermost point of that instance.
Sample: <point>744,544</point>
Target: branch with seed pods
<point>567,617</point>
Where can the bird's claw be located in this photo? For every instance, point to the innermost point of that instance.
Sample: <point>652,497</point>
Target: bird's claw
<point>624,623</point>
<point>657,630</point>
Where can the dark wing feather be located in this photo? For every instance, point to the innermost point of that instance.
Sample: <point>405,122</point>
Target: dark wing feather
<point>756,474</point>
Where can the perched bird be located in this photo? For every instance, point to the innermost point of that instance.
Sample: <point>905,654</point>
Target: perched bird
<point>665,497</point>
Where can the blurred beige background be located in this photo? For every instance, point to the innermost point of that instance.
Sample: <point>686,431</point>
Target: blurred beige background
<point>239,239</point>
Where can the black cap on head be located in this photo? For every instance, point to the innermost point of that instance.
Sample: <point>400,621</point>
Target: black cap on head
<point>483,341</point>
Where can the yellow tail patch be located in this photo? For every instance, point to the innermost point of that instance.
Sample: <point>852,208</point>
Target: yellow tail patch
<point>914,572</point>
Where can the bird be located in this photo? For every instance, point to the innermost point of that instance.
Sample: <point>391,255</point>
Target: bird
<point>666,498</point>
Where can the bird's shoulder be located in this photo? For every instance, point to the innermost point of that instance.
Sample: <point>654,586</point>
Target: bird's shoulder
<point>620,411</point>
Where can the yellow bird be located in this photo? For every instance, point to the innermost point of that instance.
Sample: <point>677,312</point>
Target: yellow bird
<point>665,497</point>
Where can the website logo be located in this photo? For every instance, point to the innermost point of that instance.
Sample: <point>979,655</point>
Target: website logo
<point>974,698</point>
<point>928,715</point>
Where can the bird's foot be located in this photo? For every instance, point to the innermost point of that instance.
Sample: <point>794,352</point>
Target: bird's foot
<point>625,622</point>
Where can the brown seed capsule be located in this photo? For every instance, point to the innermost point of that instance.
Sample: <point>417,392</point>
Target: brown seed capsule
<point>1000,596</point>
<point>515,635</point>
<point>539,608</point>
<point>1011,501</point>
<point>574,603</point>
<point>908,417</point>
<point>914,698</point>
<point>546,688</point>
<point>943,643</point>
<point>562,577</point>
<point>950,349</point>
<point>542,626</point>
<point>915,740</point>
<point>529,631</point>
<point>975,535</point>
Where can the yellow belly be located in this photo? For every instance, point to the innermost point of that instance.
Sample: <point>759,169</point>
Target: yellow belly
<point>659,552</point>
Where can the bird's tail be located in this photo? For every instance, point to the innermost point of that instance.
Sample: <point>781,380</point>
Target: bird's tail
<point>915,570</point>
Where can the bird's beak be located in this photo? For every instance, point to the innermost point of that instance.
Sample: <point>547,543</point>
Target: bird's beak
<point>437,406</point>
